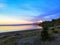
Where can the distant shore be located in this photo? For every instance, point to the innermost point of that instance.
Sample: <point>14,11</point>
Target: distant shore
<point>16,24</point>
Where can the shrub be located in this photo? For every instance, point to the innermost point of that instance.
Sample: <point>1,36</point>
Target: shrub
<point>27,43</point>
<point>55,31</point>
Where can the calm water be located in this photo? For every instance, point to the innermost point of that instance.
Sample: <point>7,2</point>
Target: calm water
<point>16,28</point>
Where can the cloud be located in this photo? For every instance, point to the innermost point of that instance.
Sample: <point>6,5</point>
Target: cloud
<point>48,15</point>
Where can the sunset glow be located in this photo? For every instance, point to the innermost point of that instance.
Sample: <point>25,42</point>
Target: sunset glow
<point>10,20</point>
<point>28,11</point>
<point>15,13</point>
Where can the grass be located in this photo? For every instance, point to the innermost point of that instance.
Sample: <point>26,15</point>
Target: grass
<point>26,43</point>
<point>49,36</point>
<point>9,40</point>
<point>33,34</point>
<point>55,30</point>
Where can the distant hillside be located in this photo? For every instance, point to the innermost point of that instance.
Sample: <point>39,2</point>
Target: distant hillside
<point>17,24</point>
<point>54,22</point>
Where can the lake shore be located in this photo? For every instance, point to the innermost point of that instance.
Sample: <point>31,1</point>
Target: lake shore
<point>7,36</point>
<point>22,32</point>
<point>25,36</point>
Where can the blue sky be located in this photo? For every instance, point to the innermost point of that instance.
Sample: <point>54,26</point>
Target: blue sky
<point>29,10</point>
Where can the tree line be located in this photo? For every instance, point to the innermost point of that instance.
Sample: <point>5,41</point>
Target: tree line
<point>46,25</point>
<point>54,22</point>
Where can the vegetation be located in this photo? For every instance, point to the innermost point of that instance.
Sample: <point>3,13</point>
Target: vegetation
<point>46,25</point>
<point>45,33</point>
<point>54,22</point>
<point>11,39</point>
<point>26,43</point>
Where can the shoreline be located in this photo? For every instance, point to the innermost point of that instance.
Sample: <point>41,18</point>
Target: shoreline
<point>20,32</point>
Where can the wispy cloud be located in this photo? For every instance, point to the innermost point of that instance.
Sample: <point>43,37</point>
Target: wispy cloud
<point>48,15</point>
<point>30,10</point>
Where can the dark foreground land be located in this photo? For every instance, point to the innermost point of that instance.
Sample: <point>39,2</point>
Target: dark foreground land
<point>29,37</point>
<point>11,38</point>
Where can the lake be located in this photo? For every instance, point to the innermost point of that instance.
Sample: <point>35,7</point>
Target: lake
<point>17,28</point>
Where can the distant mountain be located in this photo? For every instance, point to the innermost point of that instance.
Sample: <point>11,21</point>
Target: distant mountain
<point>17,24</point>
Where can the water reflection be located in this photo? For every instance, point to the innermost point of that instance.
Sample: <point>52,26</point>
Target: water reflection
<point>15,28</point>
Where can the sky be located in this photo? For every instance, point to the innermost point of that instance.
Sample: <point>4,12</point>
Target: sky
<point>28,11</point>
